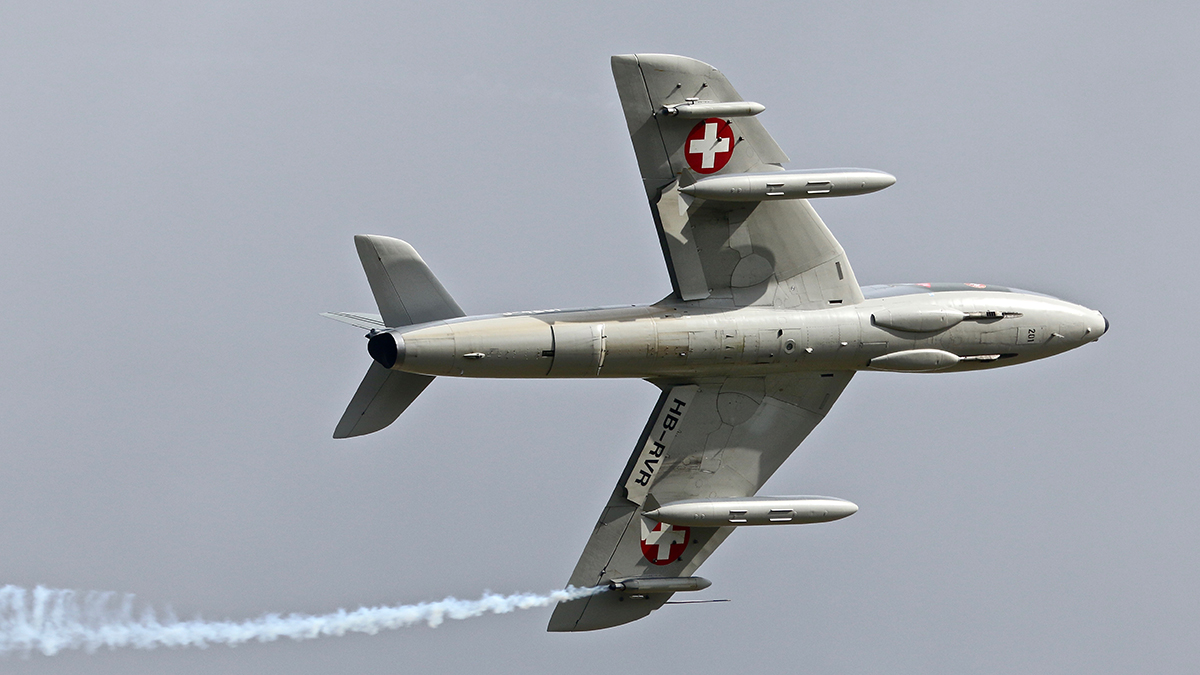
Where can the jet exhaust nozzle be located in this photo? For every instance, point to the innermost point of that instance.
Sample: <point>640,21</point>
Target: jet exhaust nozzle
<point>387,349</point>
<point>659,584</point>
<point>753,511</point>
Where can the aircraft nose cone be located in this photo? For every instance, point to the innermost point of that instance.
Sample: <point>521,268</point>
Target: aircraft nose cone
<point>1097,326</point>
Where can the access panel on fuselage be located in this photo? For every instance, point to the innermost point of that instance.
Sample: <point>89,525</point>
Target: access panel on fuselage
<point>578,349</point>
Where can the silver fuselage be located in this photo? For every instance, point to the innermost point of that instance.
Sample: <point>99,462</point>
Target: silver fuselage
<point>671,340</point>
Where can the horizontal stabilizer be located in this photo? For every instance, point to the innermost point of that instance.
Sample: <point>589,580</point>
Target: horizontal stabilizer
<point>380,399</point>
<point>367,321</point>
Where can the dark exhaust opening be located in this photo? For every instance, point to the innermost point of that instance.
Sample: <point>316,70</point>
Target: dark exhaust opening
<point>384,350</point>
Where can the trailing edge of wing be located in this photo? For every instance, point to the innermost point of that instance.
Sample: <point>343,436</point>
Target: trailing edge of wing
<point>716,438</point>
<point>770,253</point>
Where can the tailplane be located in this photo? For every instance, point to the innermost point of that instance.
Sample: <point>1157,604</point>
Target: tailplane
<point>381,397</point>
<point>406,293</point>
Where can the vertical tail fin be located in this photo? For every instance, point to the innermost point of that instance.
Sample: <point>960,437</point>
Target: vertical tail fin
<point>404,288</point>
<point>407,293</point>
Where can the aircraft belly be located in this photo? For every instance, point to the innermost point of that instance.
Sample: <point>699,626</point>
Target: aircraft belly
<point>578,349</point>
<point>627,349</point>
<point>1030,335</point>
<point>632,343</point>
<point>431,356</point>
<point>766,326</point>
<point>492,347</point>
<point>700,346</point>
<point>671,345</point>
<point>704,348</point>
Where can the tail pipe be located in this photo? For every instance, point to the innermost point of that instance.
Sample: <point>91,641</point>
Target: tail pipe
<point>386,348</point>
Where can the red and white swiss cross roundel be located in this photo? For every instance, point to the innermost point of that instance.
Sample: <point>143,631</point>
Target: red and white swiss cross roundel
<point>709,146</point>
<point>665,543</point>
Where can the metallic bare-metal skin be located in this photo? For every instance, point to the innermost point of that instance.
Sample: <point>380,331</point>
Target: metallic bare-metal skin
<point>676,341</point>
<point>740,512</point>
<point>765,327</point>
<point>803,184</point>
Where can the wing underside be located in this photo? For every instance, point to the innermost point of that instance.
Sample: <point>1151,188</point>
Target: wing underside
<point>718,438</point>
<point>775,253</point>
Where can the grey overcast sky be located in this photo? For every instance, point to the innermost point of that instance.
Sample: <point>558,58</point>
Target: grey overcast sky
<point>179,185</point>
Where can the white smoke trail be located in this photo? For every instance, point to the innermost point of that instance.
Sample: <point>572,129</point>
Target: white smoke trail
<point>49,620</point>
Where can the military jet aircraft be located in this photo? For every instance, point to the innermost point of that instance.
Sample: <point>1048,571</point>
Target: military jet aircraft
<point>764,328</point>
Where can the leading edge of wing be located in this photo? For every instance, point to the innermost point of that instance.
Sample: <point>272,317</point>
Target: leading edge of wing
<point>776,253</point>
<point>718,438</point>
<point>648,82</point>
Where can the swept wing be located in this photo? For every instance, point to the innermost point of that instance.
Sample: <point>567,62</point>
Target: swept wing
<point>719,438</point>
<point>714,438</point>
<point>775,253</point>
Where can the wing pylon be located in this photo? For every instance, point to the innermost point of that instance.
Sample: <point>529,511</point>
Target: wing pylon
<point>719,438</point>
<point>772,253</point>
